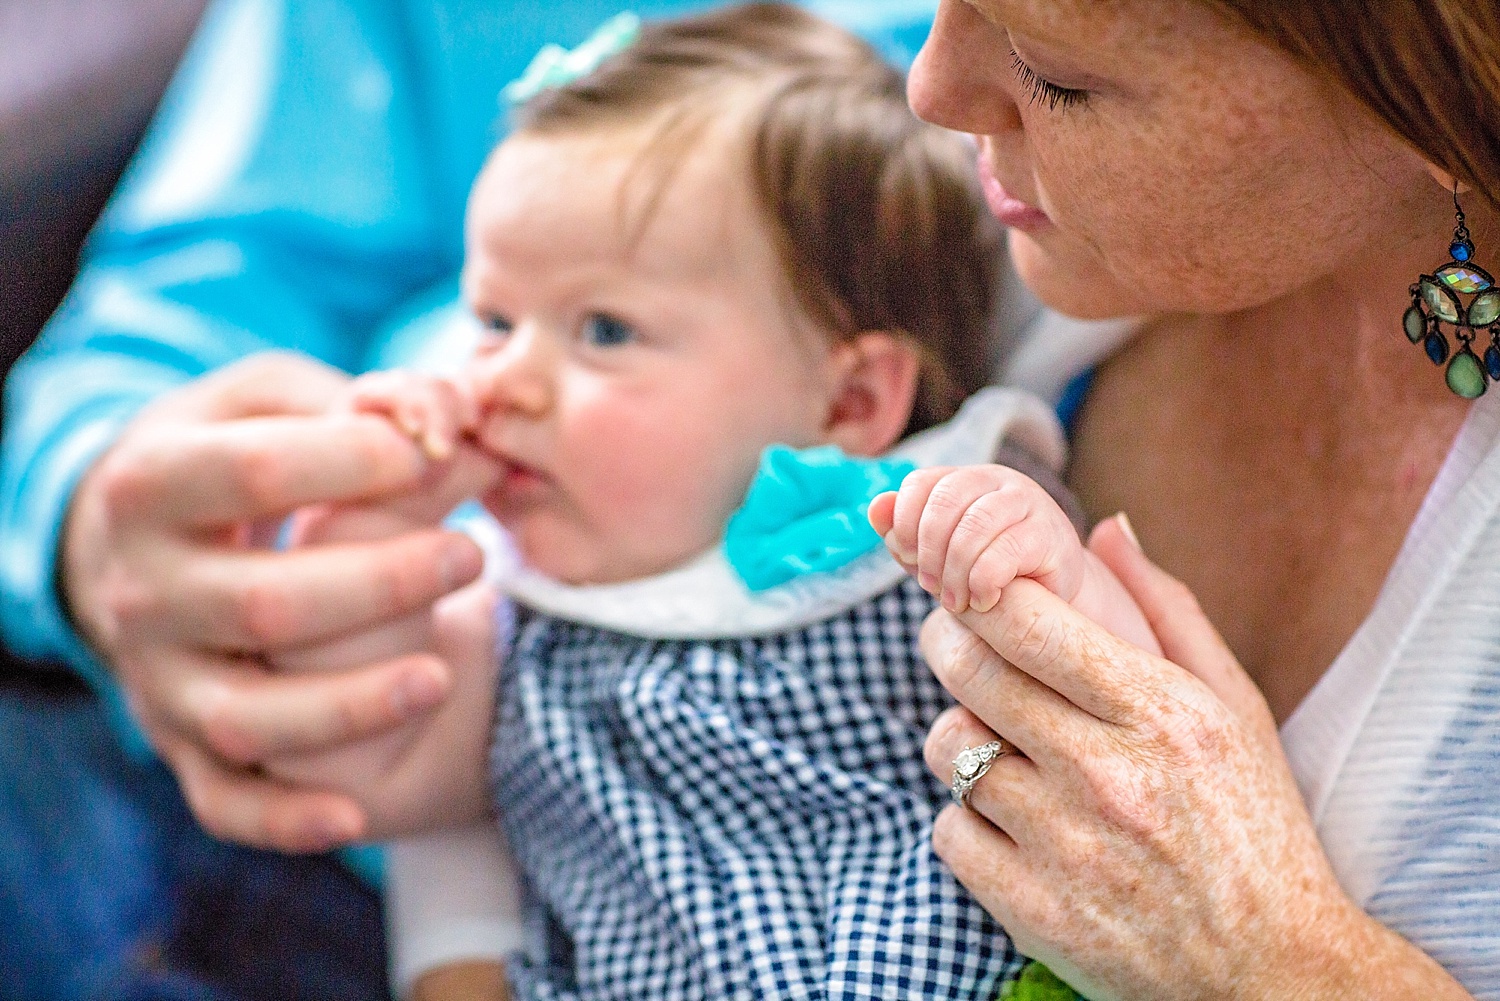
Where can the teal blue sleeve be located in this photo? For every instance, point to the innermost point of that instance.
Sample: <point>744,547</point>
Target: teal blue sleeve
<point>246,223</point>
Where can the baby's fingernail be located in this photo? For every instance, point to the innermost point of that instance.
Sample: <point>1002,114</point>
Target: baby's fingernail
<point>1123,520</point>
<point>928,581</point>
<point>438,448</point>
<point>950,600</point>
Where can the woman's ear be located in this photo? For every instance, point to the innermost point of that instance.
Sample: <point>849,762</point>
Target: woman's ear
<point>875,383</point>
<point>1446,179</point>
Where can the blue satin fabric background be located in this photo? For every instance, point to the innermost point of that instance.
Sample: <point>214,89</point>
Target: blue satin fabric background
<point>302,188</point>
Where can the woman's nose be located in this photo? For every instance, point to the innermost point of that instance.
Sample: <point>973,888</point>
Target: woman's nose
<point>962,79</point>
<point>513,373</point>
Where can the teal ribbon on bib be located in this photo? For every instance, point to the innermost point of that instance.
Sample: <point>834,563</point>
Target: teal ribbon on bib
<point>555,66</point>
<point>807,512</point>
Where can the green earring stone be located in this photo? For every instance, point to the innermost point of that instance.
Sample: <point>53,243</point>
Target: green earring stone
<point>1444,304</point>
<point>1485,309</point>
<point>1466,375</point>
<point>1415,324</point>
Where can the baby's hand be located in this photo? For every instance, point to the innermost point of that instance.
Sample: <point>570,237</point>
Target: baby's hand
<point>433,411</point>
<point>436,413</point>
<point>967,532</point>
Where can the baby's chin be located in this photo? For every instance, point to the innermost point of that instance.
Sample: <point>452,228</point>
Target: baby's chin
<point>598,566</point>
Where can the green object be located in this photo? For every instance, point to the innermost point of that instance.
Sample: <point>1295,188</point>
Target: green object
<point>1443,303</point>
<point>1465,376</point>
<point>806,513</point>
<point>555,66</point>
<point>1485,309</point>
<point>1037,983</point>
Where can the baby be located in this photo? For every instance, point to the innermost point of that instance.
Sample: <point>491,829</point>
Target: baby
<point>706,742</point>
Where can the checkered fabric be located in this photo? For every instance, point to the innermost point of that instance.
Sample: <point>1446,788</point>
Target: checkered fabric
<point>735,818</point>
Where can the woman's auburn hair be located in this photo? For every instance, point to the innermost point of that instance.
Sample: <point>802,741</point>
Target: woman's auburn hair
<point>877,215</point>
<point>1430,69</point>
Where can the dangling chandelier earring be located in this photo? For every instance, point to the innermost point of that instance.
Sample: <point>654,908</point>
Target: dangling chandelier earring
<point>1435,300</point>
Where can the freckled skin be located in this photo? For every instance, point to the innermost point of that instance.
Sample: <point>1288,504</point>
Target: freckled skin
<point>1271,433</point>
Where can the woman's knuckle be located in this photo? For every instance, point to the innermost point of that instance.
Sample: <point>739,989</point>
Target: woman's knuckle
<point>1036,638</point>
<point>1130,796</point>
<point>946,735</point>
<point>966,662</point>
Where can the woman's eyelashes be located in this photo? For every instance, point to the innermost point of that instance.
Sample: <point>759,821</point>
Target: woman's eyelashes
<point>601,330</point>
<point>1043,90</point>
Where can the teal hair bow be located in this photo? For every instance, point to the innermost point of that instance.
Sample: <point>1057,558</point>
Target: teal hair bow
<point>555,66</point>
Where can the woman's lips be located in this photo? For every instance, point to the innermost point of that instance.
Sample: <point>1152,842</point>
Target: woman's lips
<point>1006,207</point>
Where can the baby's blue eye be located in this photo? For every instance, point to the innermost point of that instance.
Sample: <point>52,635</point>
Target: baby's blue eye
<point>498,324</point>
<point>604,331</point>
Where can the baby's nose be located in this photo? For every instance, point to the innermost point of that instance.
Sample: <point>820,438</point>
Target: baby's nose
<point>515,373</point>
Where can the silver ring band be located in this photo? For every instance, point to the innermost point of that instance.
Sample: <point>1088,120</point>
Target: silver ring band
<point>971,763</point>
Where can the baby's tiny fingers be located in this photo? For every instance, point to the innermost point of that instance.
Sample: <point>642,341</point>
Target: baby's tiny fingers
<point>981,529</point>
<point>911,500</point>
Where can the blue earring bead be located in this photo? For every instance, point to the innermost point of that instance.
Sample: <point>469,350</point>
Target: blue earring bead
<point>1436,346</point>
<point>1492,362</point>
<point>1464,296</point>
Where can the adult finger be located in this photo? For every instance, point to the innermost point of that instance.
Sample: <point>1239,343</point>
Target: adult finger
<point>1036,631</point>
<point>467,473</point>
<point>239,805</point>
<point>214,474</point>
<point>1006,793</point>
<point>985,859</point>
<point>259,599</point>
<point>246,715</point>
<point>266,384</point>
<point>1187,637</point>
<point>1044,725</point>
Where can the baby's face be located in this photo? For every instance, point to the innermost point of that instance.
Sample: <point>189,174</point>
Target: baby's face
<point>637,362</point>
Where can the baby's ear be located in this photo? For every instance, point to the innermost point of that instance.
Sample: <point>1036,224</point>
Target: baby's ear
<point>875,382</point>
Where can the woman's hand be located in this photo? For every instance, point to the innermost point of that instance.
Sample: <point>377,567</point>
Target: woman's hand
<point>1152,842</point>
<point>162,573</point>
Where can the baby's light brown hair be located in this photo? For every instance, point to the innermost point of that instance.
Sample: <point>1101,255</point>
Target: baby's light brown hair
<point>876,215</point>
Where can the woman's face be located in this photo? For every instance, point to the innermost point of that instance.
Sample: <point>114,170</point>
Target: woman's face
<point>1159,157</point>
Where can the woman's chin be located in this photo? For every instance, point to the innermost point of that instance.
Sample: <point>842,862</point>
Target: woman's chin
<point>1082,290</point>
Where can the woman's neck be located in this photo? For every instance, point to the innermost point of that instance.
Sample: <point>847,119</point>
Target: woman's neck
<point>1278,460</point>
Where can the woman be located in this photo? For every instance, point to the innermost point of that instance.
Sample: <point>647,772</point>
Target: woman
<point>1268,181</point>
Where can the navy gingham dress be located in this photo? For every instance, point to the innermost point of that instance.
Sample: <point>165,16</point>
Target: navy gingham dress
<point>716,795</point>
<point>735,818</point>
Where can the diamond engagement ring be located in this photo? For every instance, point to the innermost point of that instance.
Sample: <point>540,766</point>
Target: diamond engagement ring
<point>971,764</point>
